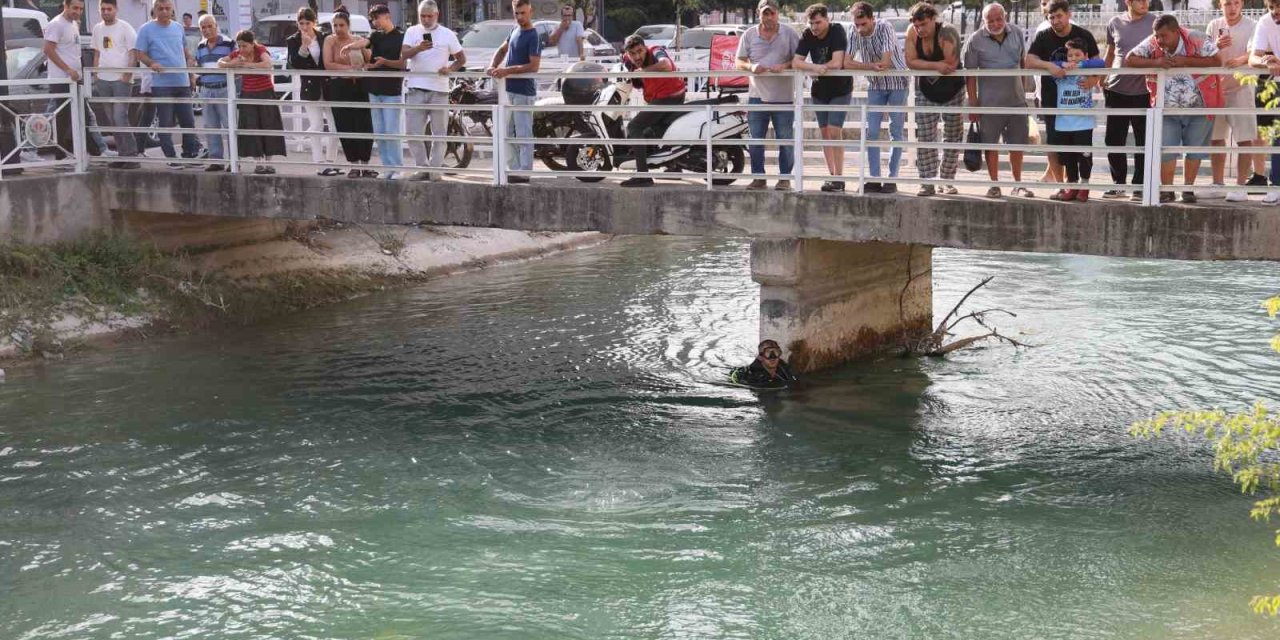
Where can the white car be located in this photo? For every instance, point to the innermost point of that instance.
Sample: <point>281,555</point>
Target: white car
<point>482,39</point>
<point>660,35</point>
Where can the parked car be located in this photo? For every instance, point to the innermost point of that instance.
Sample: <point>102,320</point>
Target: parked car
<point>660,35</point>
<point>24,23</point>
<point>482,39</point>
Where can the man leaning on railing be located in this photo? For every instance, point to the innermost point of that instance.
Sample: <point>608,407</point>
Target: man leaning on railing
<point>162,46</point>
<point>765,50</point>
<point>521,53</point>
<point>998,45</point>
<point>62,48</point>
<point>877,42</point>
<point>212,87</point>
<point>822,49</point>
<point>1173,47</point>
<point>657,91</point>
<point>935,46</point>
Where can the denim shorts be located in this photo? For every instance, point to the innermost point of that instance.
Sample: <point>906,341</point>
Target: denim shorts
<point>833,118</point>
<point>1186,131</point>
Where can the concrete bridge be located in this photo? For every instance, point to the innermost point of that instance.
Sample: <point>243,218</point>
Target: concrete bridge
<point>833,268</point>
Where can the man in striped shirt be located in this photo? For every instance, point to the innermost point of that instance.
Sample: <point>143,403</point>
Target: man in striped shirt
<point>876,45</point>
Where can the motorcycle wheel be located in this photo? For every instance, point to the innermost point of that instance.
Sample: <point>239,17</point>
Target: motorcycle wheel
<point>457,155</point>
<point>588,157</point>
<point>727,160</point>
<point>554,155</point>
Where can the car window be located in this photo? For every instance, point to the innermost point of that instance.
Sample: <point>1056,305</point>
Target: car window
<point>18,58</point>
<point>696,39</point>
<point>273,33</point>
<point>665,32</point>
<point>594,39</point>
<point>19,28</point>
<point>486,36</point>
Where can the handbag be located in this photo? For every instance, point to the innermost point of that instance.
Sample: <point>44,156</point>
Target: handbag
<point>973,157</point>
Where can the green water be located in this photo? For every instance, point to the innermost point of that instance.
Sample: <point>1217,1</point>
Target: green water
<point>532,452</point>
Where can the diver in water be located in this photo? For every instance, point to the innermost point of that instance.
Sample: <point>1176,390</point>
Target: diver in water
<point>768,370</point>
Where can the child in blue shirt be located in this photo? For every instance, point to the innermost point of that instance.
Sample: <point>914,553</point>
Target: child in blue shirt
<point>1076,92</point>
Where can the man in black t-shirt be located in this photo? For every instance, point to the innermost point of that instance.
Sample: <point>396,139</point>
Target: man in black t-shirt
<point>1048,47</point>
<point>822,48</point>
<point>384,46</point>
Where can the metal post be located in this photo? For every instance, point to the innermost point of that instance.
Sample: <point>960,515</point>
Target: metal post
<point>797,131</point>
<point>1155,130</point>
<point>862,150</point>
<point>500,117</point>
<point>232,149</point>
<point>80,106</point>
<point>710,151</point>
<point>78,147</point>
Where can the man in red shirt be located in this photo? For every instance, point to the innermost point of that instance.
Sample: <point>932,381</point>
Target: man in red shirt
<point>663,91</point>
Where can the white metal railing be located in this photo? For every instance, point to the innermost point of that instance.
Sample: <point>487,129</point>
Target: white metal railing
<point>716,157</point>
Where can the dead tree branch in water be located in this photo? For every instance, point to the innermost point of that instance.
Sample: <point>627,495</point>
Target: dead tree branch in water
<point>935,344</point>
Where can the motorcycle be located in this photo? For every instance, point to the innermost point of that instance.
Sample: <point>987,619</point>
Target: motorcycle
<point>554,124</point>
<point>608,127</point>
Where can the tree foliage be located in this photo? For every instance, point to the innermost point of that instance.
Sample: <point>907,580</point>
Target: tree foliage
<point>1246,445</point>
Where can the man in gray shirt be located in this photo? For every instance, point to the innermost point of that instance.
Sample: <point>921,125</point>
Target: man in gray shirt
<point>766,51</point>
<point>1124,32</point>
<point>998,45</point>
<point>568,36</point>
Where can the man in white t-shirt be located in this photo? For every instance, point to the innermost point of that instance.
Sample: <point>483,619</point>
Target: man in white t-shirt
<point>62,48</point>
<point>1234,32</point>
<point>62,42</point>
<point>427,48</point>
<point>113,41</point>
<point>569,35</point>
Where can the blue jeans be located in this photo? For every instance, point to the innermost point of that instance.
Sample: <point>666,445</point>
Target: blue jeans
<point>388,121</point>
<point>521,127</point>
<point>184,116</point>
<point>897,122</point>
<point>215,116</point>
<point>783,129</point>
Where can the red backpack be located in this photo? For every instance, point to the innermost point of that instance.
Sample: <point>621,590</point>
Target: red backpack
<point>1210,85</point>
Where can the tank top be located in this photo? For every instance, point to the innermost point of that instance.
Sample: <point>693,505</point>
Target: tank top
<point>939,89</point>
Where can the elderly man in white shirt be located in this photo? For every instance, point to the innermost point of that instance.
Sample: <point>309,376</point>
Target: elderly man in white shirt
<point>427,47</point>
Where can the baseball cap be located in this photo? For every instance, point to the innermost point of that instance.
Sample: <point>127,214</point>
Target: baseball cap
<point>767,4</point>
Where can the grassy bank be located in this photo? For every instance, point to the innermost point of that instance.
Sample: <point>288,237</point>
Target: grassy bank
<point>53,295</point>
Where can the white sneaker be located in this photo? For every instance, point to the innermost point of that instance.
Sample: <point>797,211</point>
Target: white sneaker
<point>1237,196</point>
<point>1214,194</point>
<point>109,153</point>
<point>1272,197</point>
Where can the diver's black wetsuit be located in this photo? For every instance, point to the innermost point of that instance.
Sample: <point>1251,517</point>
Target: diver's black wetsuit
<point>756,375</point>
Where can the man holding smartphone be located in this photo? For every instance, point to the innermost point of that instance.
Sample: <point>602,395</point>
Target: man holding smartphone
<point>427,47</point>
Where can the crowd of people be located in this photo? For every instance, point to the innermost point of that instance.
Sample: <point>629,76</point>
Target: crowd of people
<point>767,52</point>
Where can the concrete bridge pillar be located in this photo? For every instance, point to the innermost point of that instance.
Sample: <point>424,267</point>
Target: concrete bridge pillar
<point>828,302</point>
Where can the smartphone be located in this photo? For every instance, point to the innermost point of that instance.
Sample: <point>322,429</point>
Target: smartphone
<point>426,37</point>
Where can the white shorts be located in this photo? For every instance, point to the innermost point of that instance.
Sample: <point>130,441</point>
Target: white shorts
<point>1244,127</point>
